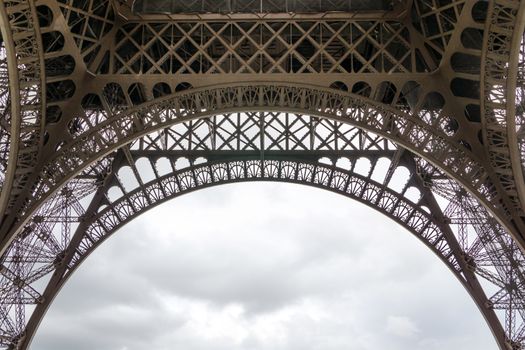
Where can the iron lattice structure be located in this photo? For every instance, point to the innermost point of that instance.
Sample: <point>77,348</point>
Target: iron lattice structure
<point>413,107</point>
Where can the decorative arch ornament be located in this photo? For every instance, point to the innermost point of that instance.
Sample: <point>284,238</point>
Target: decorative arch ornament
<point>91,84</point>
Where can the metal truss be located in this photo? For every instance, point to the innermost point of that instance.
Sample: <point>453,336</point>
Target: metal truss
<point>106,112</point>
<point>291,46</point>
<point>257,6</point>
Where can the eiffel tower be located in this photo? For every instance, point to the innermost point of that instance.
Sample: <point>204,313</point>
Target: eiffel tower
<point>111,107</point>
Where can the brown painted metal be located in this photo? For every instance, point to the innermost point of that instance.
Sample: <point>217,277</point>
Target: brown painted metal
<point>97,89</point>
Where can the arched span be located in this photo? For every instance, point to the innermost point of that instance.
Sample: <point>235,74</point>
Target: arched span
<point>108,215</point>
<point>403,129</point>
<point>112,216</point>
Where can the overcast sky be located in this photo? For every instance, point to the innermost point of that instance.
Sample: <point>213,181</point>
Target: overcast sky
<point>263,266</point>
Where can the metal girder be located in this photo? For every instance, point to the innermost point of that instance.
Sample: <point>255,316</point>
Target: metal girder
<point>435,86</point>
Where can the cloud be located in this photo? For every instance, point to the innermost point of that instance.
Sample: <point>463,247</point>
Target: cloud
<point>401,326</point>
<point>262,266</point>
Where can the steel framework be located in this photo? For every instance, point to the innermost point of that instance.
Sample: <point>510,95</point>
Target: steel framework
<point>109,108</point>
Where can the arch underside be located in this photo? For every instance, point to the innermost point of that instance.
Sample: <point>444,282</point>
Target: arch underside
<point>395,54</point>
<point>259,146</point>
<point>431,88</point>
